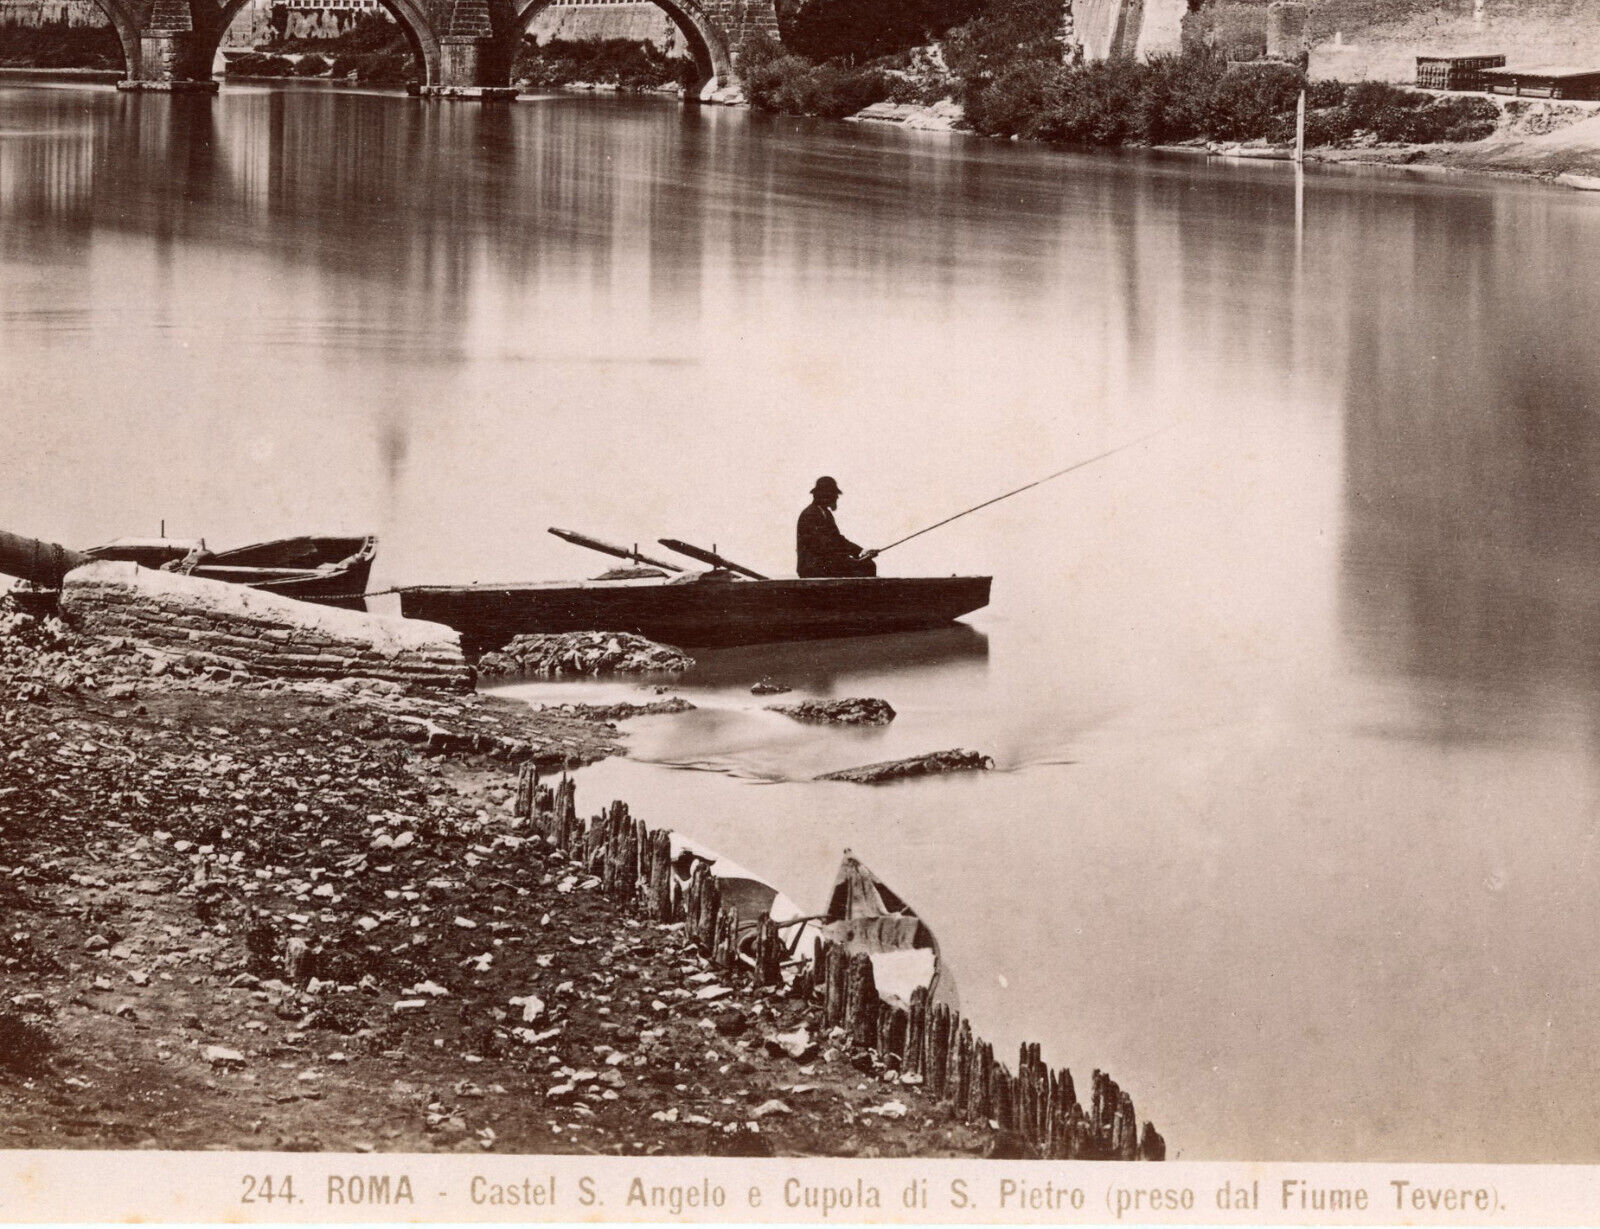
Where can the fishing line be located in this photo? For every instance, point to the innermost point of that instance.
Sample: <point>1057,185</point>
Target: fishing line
<point>1036,482</point>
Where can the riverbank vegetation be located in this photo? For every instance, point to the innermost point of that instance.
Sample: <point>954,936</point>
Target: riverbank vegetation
<point>618,63</point>
<point>56,44</point>
<point>373,51</point>
<point>1007,69</point>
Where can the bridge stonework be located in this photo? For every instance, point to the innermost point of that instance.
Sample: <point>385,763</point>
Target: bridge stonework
<point>463,48</point>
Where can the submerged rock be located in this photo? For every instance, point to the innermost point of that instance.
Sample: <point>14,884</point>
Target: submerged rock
<point>914,766</point>
<point>769,687</point>
<point>858,710</point>
<point>584,653</point>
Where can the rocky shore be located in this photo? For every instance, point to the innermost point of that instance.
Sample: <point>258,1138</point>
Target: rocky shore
<point>288,914</point>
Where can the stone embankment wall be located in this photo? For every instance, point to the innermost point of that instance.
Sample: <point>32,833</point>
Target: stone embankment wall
<point>929,1046</point>
<point>237,628</point>
<point>593,23</point>
<point>51,13</point>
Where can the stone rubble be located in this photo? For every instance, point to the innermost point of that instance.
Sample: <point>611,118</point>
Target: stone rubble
<point>583,653</point>
<point>857,710</point>
<point>913,766</point>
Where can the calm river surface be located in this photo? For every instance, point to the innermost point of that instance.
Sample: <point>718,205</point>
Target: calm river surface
<point>1296,705</point>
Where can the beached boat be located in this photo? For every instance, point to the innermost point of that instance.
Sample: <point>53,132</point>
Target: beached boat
<point>703,608</point>
<point>865,915</point>
<point>331,571</point>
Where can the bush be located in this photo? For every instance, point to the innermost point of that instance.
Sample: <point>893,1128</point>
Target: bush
<point>1338,114</point>
<point>1163,100</point>
<point>1248,97</point>
<point>1008,33</point>
<point>1014,103</point>
<point>311,66</point>
<point>619,62</point>
<point>394,67</point>
<point>855,31</point>
<point>1174,103</point>
<point>791,85</point>
<point>253,64</point>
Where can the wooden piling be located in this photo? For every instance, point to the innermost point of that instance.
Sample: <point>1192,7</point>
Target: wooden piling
<point>634,862</point>
<point>838,969</point>
<point>658,887</point>
<point>527,790</point>
<point>936,1054</point>
<point>861,1002</point>
<point>916,1032</point>
<point>769,952</point>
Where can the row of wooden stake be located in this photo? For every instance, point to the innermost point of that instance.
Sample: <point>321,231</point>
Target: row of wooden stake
<point>928,1043</point>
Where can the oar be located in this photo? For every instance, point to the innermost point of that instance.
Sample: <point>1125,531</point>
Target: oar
<point>711,557</point>
<point>605,548</point>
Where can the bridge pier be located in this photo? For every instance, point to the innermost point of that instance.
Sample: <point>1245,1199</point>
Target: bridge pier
<point>472,67</point>
<point>168,63</point>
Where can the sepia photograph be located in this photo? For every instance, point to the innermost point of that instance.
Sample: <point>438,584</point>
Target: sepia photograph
<point>881,610</point>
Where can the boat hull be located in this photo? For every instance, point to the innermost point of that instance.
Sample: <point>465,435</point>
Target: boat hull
<point>702,612</point>
<point>329,571</point>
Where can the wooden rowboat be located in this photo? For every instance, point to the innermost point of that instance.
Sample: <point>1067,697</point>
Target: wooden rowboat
<point>330,571</point>
<point>705,608</point>
<point>865,916</point>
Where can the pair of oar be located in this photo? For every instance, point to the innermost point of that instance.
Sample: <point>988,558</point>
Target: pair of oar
<point>683,548</point>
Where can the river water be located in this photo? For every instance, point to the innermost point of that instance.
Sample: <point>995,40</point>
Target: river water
<point>1295,706</point>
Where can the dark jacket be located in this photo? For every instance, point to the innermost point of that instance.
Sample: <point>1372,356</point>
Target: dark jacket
<point>820,549</point>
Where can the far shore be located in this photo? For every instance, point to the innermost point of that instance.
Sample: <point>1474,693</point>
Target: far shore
<point>1570,148</point>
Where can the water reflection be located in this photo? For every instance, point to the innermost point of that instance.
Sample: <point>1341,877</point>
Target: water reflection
<point>823,666</point>
<point>1473,473</point>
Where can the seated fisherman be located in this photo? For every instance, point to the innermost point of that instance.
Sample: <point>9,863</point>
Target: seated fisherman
<point>821,549</point>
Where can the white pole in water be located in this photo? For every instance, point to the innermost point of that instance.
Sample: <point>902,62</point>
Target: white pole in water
<point>1300,129</point>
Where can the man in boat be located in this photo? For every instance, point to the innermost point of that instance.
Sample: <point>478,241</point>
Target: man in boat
<point>821,549</point>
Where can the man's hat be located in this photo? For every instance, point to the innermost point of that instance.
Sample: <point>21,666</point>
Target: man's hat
<point>826,485</point>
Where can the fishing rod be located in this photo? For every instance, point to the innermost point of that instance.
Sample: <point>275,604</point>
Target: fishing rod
<point>1036,482</point>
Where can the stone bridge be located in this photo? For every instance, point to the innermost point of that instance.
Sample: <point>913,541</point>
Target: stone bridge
<point>463,48</point>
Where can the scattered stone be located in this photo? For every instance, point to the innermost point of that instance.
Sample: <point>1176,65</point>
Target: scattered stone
<point>223,1058</point>
<point>855,711</point>
<point>889,1109</point>
<point>767,1108</point>
<point>798,1045</point>
<point>914,766</point>
<point>532,1007</point>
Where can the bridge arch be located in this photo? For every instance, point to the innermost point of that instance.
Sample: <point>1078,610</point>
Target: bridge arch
<point>408,15</point>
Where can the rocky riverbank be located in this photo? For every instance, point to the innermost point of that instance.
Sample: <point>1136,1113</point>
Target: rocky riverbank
<point>310,915</point>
